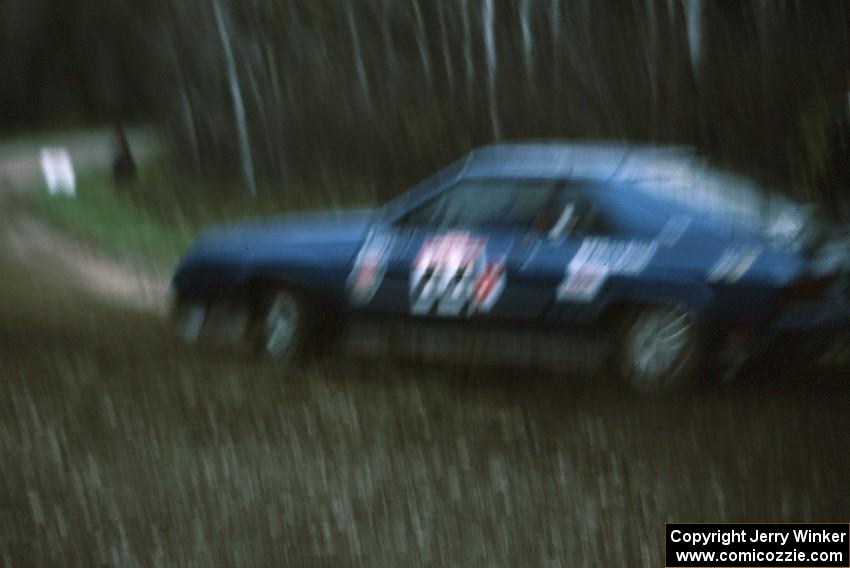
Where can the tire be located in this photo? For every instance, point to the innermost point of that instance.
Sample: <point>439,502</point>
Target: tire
<point>284,325</point>
<point>660,350</point>
<point>187,320</point>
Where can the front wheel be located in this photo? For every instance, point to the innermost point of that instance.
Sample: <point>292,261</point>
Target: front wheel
<point>659,350</point>
<point>284,325</point>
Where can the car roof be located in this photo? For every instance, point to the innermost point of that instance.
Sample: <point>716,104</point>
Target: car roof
<point>676,175</point>
<point>559,160</point>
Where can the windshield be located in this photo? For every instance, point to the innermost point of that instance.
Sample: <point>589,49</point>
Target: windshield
<point>424,188</point>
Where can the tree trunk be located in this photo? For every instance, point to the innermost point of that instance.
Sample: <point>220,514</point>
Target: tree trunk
<point>446,45</point>
<point>422,42</point>
<point>387,38</point>
<point>362,78</point>
<point>186,111</point>
<point>527,37</point>
<point>652,55</point>
<point>189,125</point>
<point>487,19</point>
<point>555,31</point>
<point>238,104</point>
<point>278,149</point>
<point>255,70</point>
<point>467,48</point>
<point>693,23</point>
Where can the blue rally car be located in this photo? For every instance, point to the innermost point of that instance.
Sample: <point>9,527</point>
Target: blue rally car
<point>644,260</point>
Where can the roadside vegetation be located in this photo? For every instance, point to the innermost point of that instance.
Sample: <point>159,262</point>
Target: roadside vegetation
<point>116,222</point>
<point>155,218</point>
<point>265,92</point>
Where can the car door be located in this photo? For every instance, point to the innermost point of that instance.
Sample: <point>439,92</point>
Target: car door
<point>457,255</point>
<point>600,262</point>
<point>540,265</point>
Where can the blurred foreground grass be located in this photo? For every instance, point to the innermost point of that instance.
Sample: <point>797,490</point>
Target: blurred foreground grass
<point>119,447</point>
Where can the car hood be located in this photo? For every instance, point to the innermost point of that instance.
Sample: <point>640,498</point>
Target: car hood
<point>251,239</point>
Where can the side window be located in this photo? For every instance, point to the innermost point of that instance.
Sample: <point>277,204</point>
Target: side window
<point>494,204</point>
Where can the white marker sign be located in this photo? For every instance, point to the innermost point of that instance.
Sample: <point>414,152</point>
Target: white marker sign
<point>58,171</point>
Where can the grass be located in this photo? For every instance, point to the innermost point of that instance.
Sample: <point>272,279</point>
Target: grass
<point>113,221</point>
<point>156,218</point>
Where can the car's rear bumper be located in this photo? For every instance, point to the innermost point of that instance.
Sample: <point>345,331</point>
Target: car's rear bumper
<point>822,317</point>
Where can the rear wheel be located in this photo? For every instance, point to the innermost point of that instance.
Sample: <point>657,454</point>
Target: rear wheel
<point>659,350</point>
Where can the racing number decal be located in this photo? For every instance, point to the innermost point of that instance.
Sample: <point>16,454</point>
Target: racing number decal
<point>451,276</point>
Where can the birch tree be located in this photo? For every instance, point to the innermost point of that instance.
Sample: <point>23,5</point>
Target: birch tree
<point>246,157</point>
<point>240,84</point>
<point>527,36</point>
<point>555,33</point>
<point>446,45</point>
<point>467,47</point>
<point>651,56</point>
<point>277,106</point>
<point>693,23</point>
<point>488,24</point>
<point>387,39</point>
<point>357,50</point>
<point>422,42</point>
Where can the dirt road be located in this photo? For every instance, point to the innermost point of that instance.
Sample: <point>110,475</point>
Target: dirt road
<point>119,447</point>
<point>33,241</point>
